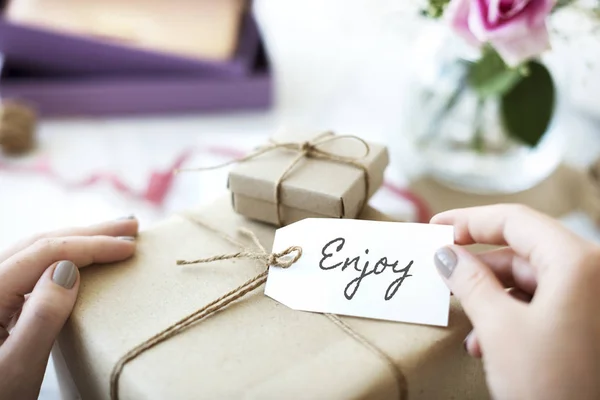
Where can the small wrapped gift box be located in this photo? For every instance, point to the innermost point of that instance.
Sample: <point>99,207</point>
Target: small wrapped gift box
<point>302,176</point>
<point>255,348</point>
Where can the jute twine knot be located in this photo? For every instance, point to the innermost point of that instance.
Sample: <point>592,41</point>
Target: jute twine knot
<point>307,149</point>
<point>282,259</point>
<point>18,124</point>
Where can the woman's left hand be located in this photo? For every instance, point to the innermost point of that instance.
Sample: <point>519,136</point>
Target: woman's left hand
<point>39,281</point>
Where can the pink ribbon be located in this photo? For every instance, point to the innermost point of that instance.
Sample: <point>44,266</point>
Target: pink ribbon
<point>160,182</point>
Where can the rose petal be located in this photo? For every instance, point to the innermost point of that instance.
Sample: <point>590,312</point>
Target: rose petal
<point>539,10</point>
<point>477,20</point>
<point>515,28</point>
<point>457,14</point>
<point>502,10</point>
<point>515,50</point>
<point>516,7</point>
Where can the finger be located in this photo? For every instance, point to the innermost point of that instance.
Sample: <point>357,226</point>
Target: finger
<point>471,342</point>
<point>15,317</point>
<point>43,316</point>
<point>126,226</point>
<point>511,269</point>
<point>3,334</point>
<point>520,295</point>
<point>483,298</point>
<point>472,345</point>
<point>536,237</point>
<point>19,274</point>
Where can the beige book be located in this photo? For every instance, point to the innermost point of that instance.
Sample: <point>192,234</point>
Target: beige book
<point>206,29</point>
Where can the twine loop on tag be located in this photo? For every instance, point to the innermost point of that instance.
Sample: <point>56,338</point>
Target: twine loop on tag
<point>286,258</point>
<point>308,149</point>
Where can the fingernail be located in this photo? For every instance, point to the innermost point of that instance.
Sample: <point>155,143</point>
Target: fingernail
<point>130,216</point>
<point>129,238</point>
<point>445,261</point>
<point>65,274</point>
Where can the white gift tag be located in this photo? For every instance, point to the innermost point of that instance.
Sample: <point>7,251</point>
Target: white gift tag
<point>371,269</point>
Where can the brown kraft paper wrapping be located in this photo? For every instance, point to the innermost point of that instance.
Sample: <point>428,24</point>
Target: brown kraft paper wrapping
<point>314,187</point>
<point>263,210</point>
<point>255,348</point>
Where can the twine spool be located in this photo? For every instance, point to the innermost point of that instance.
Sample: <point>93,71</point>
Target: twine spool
<point>18,124</point>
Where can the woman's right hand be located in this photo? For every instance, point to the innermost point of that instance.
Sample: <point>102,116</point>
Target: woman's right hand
<point>543,342</point>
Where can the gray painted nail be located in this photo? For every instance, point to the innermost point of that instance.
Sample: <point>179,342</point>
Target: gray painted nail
<point>130,216</point>
<point>129,238</point>
<point>445,261</point>
<point>65,274</point>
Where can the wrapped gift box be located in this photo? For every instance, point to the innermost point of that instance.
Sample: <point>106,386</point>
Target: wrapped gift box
<point>315,187</point>
<point>25,39</point>
<point>255,347</point>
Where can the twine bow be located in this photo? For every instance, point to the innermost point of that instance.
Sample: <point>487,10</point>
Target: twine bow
<point>307,149</point>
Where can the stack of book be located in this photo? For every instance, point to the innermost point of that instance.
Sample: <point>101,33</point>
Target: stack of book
<point>92,57</point>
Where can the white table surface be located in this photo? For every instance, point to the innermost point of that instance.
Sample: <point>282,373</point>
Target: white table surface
<point>338,65</point>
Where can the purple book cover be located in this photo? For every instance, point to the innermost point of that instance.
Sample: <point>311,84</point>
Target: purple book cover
<point>121,94</point>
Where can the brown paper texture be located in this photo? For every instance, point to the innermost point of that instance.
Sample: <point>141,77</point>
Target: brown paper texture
<point>318,186</point>
<point>262,211</point>
<point>254,349</point>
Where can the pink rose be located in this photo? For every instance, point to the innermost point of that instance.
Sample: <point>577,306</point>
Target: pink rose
<point>515,28</point>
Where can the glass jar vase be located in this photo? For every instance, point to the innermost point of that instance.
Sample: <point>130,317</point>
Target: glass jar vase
<point>459,139</point>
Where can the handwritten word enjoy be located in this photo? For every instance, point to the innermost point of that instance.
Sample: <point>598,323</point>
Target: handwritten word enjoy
<point>331,249</point>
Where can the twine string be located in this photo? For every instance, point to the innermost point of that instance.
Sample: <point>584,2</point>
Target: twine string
<point>396,371</point>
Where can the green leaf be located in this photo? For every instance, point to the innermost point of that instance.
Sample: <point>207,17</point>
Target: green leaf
<point>490,76</point>
<point>561,4</point>
<point>527,109</point>
<point>435,8</point>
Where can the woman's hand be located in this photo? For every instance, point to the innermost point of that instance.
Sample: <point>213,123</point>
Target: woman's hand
<point>39,281</point>
<point>543,342</point>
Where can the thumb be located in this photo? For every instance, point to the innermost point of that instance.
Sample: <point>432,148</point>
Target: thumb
<point>43,316</point>
<point>480,293</point>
